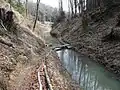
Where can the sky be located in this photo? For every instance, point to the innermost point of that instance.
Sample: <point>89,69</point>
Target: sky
<point>54,3</point>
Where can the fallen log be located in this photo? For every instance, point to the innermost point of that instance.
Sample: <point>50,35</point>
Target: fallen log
<point>47,78</point>
<point>60,47</point>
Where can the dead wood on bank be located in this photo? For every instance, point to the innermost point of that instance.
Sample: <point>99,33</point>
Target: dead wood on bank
<point>47,78</point>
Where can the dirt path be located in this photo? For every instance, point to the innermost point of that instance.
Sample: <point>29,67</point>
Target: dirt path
<point>20,63</point>
<point>60,78</point>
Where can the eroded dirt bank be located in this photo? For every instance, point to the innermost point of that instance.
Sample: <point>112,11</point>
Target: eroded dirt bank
<point>94,42</point>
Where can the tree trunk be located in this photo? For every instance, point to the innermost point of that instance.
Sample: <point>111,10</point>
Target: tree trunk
<point>38,2</point>
<point>9,1</point>
<point>79,7</point>
<point>84,15</point>
<point>71,4</point>
<point>69,9</point>
<point>61,5</point>
<point>18,2</point>
<point>75,3</point>
<point>26,7</point>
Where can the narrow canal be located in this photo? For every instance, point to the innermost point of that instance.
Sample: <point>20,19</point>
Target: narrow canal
<point>88,74</point>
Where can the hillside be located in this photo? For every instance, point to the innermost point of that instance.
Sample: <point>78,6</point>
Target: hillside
<point>22,53</point>
<point>100,41</point>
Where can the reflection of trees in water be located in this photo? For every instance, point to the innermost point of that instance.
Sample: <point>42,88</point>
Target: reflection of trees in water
<point>87,80</point>
<point>83,73</point>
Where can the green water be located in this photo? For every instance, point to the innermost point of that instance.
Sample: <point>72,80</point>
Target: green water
<point>88,74</point>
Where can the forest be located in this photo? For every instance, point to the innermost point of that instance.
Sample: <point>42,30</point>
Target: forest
<point>75,46</point>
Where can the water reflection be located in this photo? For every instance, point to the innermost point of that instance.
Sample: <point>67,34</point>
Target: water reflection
<point>88,74</point>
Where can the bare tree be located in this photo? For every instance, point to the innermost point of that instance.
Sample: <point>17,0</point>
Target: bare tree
<point>26,7</point>
<point>71,5</point>
<point>9,1</point>
<point>19,1</point>
<point>79,7</point>
<point>93,4</point>
<point>83,13</point>
<point>60,5</point>
<point>69,9</point>
<point>75,4</point>
<point>61,15</point>
<point>37,10</point>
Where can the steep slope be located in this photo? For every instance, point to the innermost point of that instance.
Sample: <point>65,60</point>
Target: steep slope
<point>19,49</point>
<point>95,42</point>
<point>22,52</point>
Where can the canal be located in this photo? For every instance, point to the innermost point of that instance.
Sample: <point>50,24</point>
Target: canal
<point>88,74</point>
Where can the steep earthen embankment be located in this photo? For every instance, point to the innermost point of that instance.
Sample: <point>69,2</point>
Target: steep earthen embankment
<point>96,41</point>
<point>22,52</point>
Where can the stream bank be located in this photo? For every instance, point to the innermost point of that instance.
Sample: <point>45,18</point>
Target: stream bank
<point>90,42</point>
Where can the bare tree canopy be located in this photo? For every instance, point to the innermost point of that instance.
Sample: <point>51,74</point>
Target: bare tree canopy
<point>37,9</point>
<point>26,7</point>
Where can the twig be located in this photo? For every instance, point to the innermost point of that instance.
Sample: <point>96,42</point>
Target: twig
<point>40,84</point>
<point>46,75</point>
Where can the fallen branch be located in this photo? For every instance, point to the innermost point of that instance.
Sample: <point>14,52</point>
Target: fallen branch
<point>65,46</point>
<point>40,84</point>
<point>46,74</point>
<point>47,78</point>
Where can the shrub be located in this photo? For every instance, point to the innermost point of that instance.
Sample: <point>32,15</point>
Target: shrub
<point>18,6</point>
